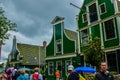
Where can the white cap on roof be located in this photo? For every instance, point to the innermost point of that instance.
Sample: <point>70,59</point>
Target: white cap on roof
<point>70,67</point>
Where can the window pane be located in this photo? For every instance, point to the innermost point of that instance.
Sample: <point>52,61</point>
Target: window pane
<point>58,46</point>
<point>102,7</point>
<point>93,13</point>
<point>109,29</point>
<point>51,69</point>
<point>84,17</point>
<point>84,36</point>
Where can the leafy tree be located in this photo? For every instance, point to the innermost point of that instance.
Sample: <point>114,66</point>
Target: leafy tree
<point>5,26</point>
<point>93,52</point>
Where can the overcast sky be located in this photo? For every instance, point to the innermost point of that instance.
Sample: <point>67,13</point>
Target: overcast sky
<point>33,19</point>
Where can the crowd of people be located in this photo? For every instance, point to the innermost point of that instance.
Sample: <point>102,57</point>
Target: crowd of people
<point>103,74</point>
<point>14,74</point>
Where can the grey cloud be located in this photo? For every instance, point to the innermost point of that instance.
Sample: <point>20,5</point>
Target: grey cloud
<point>34,17</point>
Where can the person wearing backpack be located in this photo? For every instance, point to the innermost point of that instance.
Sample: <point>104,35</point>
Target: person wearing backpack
<point>36,75</point>
<point>22,76</point>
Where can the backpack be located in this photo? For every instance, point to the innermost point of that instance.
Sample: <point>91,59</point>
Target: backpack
<point>35,77</point>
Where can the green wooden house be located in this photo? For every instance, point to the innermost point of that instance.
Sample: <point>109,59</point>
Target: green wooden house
<point>26,55</point>
<point>61,51</point>
<point>101,18</point>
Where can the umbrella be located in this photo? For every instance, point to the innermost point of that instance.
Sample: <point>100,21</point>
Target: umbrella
<point>85,69</point>
<point>26,69</point>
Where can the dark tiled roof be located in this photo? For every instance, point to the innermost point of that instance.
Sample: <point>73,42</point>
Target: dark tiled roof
<point>30,53</point>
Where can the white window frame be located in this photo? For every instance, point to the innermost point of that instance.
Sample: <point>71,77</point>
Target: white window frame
<point>58,42</point>
<point>82,36</point>
<point>49,68</point>
<point>114,29</point>
<point>88,15</point>
<point>100,8</point>
<point>83,18</point>
<point>57,65</point>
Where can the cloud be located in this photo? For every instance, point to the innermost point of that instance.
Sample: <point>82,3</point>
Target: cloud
<point>33,19</point>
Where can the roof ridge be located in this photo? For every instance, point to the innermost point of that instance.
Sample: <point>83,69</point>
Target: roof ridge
<point>29,44</point>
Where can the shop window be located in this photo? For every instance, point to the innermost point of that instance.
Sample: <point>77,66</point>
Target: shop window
<point>50,68</point>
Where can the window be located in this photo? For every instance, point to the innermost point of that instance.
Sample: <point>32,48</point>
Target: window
<point>93,13</point>
<point>84,17</point>
<point>67,63</point>
<point>58,46</point>
<point>84,36</point>
<point>59,66</point>
<point>50,68</point>
<point>102,8</point>
<point>112,60</point>
<point>109,29</point>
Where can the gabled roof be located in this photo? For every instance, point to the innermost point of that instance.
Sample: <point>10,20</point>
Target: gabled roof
<point>31,53</point>
<point>56,19</point>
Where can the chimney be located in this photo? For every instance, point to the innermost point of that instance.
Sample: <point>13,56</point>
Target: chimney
<point>44,44</point>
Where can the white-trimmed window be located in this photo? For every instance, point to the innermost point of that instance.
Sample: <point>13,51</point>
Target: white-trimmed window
<point>50,68</point>
<point>67,63</point>
<point>102,8</point>
<point>84,36</point>
<point>93,14</point>
<point>109,29</point>
<point>58,46</point>
<point>59,66</point>
<point>84,17</point>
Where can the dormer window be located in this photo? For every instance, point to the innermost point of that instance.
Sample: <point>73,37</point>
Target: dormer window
<point>102,8</point>
<point>58,46</point>
<point>84,16</point>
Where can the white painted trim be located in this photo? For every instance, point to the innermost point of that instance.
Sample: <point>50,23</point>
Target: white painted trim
<point>78,36</point>
<point>115,6</point>
<point>58,22</point>
<point>83,18</point>
<point>60,56</point>
<point>98,13</point>
<point>112,49</point>
<point>101,35</point>
<point>57,65</point>
<point>57,44</point>
<point>87,8</point>
<point>100,8</point>
<point>54,40</point>
<point>79,48</point>
<point>48,67</point>
<point>101,21</point>
<point>114,30</point>
<point>88,29</point>
<point>118,26</point>
<point>92,2</point>
<point>62,31</point>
